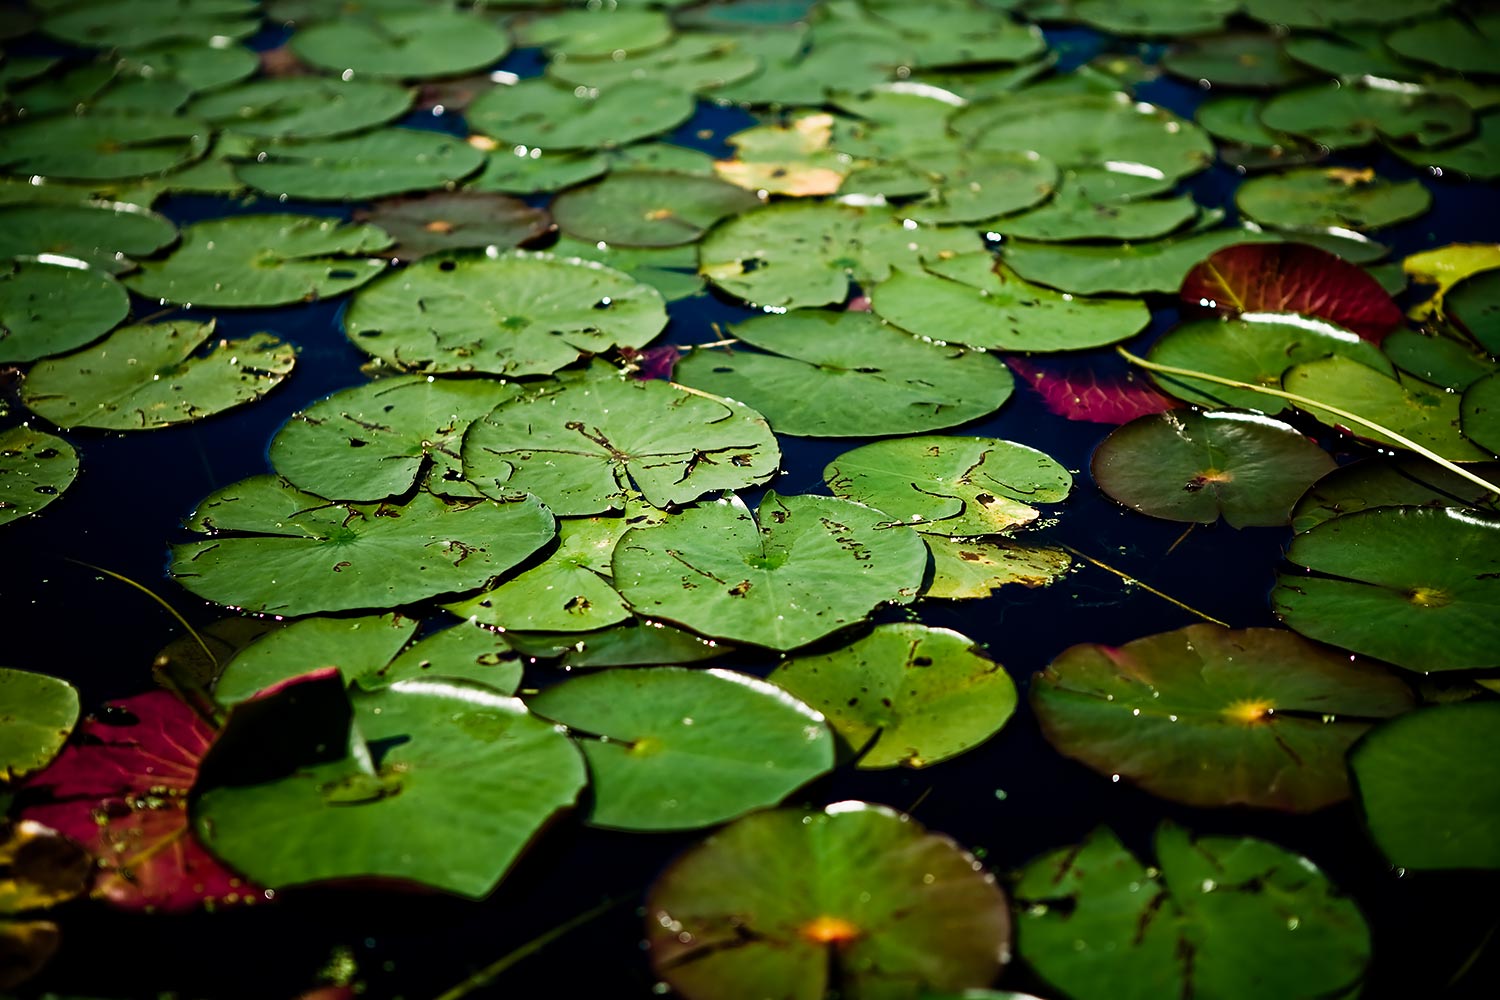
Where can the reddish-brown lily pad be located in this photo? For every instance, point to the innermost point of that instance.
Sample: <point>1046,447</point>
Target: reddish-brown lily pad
<point>1083,394</point>
<point>459,220</point>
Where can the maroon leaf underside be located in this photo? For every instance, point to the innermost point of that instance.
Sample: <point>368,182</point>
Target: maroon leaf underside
<point>1082,394</point>
<point>653,362</point>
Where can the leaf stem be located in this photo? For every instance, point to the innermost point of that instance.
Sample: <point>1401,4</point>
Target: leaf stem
<point>1306,403</point>
<point>155,597</point>
<point>1144,586</point>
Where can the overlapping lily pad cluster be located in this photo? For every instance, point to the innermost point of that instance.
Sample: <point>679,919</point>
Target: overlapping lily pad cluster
<point>915,191</point>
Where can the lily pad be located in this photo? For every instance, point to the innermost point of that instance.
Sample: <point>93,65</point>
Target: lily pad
<point>1128,268</point>
<point>785,903</point>
<point>670,748</point>
<point>38,713</point>
<point>672,271</point>
<point>1429,785</point>
<point>961,487</point>
<point>1153,17</point>
<point>905,695</point>
<point>1474,304</point>
<point>516,313</point>
<point>1445,267</point>
<point>376,441</point>
<point>1342,116</point>
<point>1475,156</point>
<point>1226,917</point>
<point>1071,215</point>
<point>277,549</point>
<point>52,304</point>
<point>263,260</point>
<point>1376,589</point>
<point>1321,198</point>
<point>539,113</point>
<point>1350,52</point>
<point>795,157</point>
<point>1210,716</point>
<point>1458,43</point>
<point>134,24</point>
<point>966,569</point>
<point>302,107</point>
<point>529,169</point>
<point>634,642</point>
<point>596,33</point>
<point>811,566</point>
<point>102,146</point>
<point>410,44</point>
<point>361,167</point>
<point>35,468</point>
<point>794,254</point>
<point>438,782</point>
<point>1401,480</point>
<point>848,374</point>
<point>154,375</point>
<point>1239,59</point>
<point>1336,13</point>
<point>1444,361</point>
<point>975,300</point>
<point>1189,466</point>
<point>693,63</point>
<point>647,209</point>
<point>1089,395</point>
<point>103,234</point>
<point>969,185</point>
<point>459,220</point>
<point>1480,413</point>
<point>198,66</point>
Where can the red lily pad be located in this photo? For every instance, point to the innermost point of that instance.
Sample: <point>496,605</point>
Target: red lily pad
<point>1292,278</point>
<point>122,792</point>
<point>1083,394</point>
<point>653,362</point>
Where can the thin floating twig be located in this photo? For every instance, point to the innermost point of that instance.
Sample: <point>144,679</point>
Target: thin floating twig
<point>1143,585</point>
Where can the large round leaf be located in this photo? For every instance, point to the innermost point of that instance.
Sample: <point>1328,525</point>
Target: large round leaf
<point>541,114</point>
<point>969,185</point>
<point>35,467</point>
<point>1480,409</point>
<point>800,253</point>
<point>1213,717</point>
<point>529,169</point>
<point>1130,268</point>
<point>463,780</point>
<point>134,24</point>
<point>104,234</point>
<point>1474,303</point>
<point>102,146</point>
<point>1380,591</point>
<point>1189,466</point>
<point>37,714</point>
<point>1478,156</point>
<point>459,220</point>
<point>513,314</point>
<point>375,440</point>
<point>403,44</point>
<point>1404,479</point>
<point>155,375</point>
<point>905,695</point>
<point>787,904</point>
<point>1319,198</point>
<point>692,63</point>
<point>1071,215</point>
<point>1232,919</point>
<point>954,486</point>
<point>973,299</point>
<point>595,33</point>
<point>275,548</point>
<point>198,65</point>
<point>51,305</point>
<point>263,260</point>
<point>1238,59</point>
<point>1153,17</point>
<point>580,444</point>
<point>1332,13</point>
<point>1342,116</point>
<point>811,566</point>
<point>302,107</point>
<point>1429,783</point>
<point>1461,43</point>
<point>670,748</point>
<point>361,167</point>
<point>641,208</point>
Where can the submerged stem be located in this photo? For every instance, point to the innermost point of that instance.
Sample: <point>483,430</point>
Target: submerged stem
<point>158,599</point>
<point>1144,586</point>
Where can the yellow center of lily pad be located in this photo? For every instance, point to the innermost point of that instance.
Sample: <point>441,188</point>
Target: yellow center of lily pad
<point>830,930</point>
<point>1250,711</point>
<point>1429,597</point>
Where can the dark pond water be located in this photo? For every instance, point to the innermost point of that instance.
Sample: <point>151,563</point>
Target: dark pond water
<point>1009,800</point>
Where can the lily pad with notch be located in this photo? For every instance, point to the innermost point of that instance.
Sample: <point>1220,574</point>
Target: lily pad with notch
<point>541,114</point>
<point>104,234</point>
<point>672,271</point>
<point>455,220</point>
<point>527,170</point>
<point>1153,17</point>
<point>1460,42</point>
<point>39,713</point>
<point>967,569</point>
<point>1072,216</point>
<point>1479,411</point>
<point>302,107</point>
<point>1126,268</point>
<point>1235,59</point>
<point>1476,156</point>
<point>1338,197</point>
<point>1474,304</point>
<point>1343,116</point>
<point>635,642</point>
<point>596,33</point>
<point>102,146</point>
<point>694,63</point>
<point>1401,480</point>
<point>51,304</point>
<point>136,24</point>
<point>408,44</point>
<point>376,164</point>
<point>35,469</point>
<point>648,209</point>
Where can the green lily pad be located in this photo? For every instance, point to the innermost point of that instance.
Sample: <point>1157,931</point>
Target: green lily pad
<point>463,781</point>
<point>634,642</point>
<point>1424,414</point>
<point>1349,52</point>
<point>662,157</point>
<point>937,35</point>
<point>361,167</point>
<point>798,74</point>
<point>1233,918</point>
<point>457,220</point>
<point>1480,412</point>
<point>672,271</point>
<point>581,444</point>
<point>905,695</point>
<point>1257,351</point>
<point>1458,43</point>
<point>38,713</point>
<point>35,468</point>
<point>377,440</point>
<point>670,748</point>
<point>1128,268</point>
<point>1429,784</point>
<point>135,24</point>
<point>1377,589</point>
<point>641,208</point>
<point>1072,215</point>
<point>796,157</point>
<point>517,313</point>
<point>1321,198</point>
<point>263,260</point>
<point>102,146</point>
<point>302,107</point>
<point>848,374</point>
<point>154,375</point>
<point>969,185</point>
<point>975,300</point>
<point>692,63</point>
<point>1153,17</point>
<point>274,548</point>
<point>371,651</point>
<point>53,304</point>
<point>1474,304</point>
<point>529,169</point>
<point>966,569</point>
<point>1188,466</point>
<point>811,566</point>
<point>196,66</point>
<point>1209,716</point>
<point>410,44</point>
<point>1236,118</point>
<point>1342,116</point>
<point>794,254</point>
<point>596,33</point>
<point>1476,156</point>
<point>1443,361</point>
<point>1239,59</point>
<point>786,903</point>
<point>539,113</point>
<point>1337,13</point>
<point>1401,480</point>
<point>103,234</point>
<point>961,487</point>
